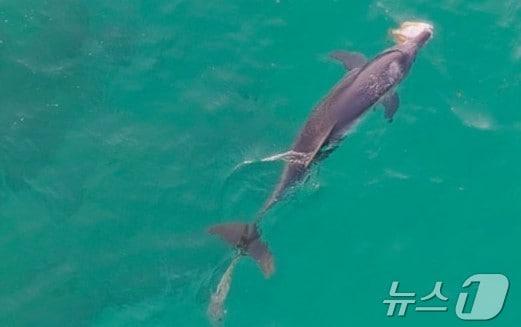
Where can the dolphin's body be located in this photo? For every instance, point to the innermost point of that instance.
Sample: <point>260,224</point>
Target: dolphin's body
<point>366,84</point>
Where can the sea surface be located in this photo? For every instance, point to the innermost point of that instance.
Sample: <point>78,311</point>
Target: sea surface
<point>122,123</point>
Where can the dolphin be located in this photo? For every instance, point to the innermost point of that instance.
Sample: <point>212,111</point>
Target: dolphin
<point>365,84</point>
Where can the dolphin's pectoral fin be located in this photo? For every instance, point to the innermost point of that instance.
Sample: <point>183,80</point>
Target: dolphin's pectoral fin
<point>390,103</point>
<point>326,150</point>
<point>351,60</point>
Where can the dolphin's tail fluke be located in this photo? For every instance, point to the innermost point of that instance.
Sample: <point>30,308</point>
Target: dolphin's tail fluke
<point>246,238</point>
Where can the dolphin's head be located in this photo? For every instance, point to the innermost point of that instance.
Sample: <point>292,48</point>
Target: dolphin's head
<point>413,32</point>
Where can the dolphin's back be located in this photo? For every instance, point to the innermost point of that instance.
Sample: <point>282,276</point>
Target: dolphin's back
<point>358,90</point>
<point>376,79</point>
<point>313,136</point>
<point>323,119</point>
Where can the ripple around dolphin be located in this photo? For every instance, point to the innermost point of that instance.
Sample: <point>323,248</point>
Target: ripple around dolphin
<point>251,182</point>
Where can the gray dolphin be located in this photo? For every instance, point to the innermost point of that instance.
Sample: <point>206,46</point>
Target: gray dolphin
<point>367,83</point>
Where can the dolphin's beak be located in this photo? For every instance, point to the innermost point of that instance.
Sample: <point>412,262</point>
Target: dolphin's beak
<point>409,31</point>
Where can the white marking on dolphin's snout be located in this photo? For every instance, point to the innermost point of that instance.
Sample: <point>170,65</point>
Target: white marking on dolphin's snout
<point>410,30</point>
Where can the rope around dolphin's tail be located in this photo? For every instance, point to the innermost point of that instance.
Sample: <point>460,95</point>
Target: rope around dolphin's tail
<point>289,156</point>
<point>216,310</point>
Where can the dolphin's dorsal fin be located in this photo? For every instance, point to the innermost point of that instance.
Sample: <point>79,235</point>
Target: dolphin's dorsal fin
<point>351,60</point>
<point>390,103</point>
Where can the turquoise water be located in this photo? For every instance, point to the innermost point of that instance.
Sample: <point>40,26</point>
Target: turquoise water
<point>121,123</point>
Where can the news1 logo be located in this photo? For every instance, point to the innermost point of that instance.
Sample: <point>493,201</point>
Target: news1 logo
<point>490,291</point>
